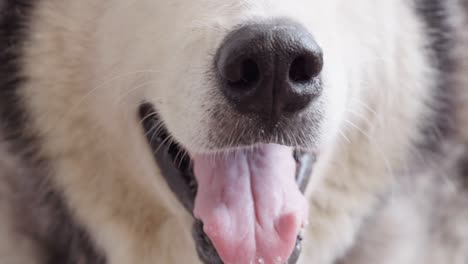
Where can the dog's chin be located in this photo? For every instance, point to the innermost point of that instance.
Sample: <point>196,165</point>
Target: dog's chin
<point>184,175</point>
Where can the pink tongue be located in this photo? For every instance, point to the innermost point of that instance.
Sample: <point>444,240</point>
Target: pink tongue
<point>250,204</point>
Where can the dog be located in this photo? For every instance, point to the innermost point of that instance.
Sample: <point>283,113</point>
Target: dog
<point>237,132</point>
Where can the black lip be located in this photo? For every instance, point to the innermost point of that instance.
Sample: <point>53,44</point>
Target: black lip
<point>178,174</point>
<point>176,168</point>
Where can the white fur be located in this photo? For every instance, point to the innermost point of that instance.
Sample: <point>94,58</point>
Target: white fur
<point>91,63</point>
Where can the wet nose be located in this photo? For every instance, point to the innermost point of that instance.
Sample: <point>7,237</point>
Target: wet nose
<point>270,69</point>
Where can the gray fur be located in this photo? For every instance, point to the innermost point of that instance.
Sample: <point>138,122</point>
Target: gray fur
<point>36,220</point>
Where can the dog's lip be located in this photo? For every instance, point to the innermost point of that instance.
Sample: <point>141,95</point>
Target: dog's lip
<point>176,165</point>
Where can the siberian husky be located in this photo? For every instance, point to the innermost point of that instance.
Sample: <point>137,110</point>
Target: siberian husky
<point>237,132</point>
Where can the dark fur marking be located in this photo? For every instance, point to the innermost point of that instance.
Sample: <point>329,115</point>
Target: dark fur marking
<point>442,42</point>
<point>41,212</point>
<point>463,170</point>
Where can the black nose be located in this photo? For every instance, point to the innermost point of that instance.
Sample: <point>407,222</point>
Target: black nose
<point>270,69</point>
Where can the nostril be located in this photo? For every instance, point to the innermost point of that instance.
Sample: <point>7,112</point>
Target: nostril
<point>304,68</point>
<point>250,73</point>
<point>298,72</point>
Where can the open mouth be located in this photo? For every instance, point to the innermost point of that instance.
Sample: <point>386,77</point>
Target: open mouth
<point>224,230</point>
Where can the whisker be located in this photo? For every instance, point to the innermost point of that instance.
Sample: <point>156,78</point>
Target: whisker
<point>378,147</point>
<point>166,140</point>
<point>342,134</point>
<point>154,114</point>
<point>156,128</point>
<point>133,89</point>
<point>102,85</point>
<point>366,106</point>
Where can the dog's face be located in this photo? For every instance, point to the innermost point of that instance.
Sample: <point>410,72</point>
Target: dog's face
<point>230,95</point>
<point>238,86</point>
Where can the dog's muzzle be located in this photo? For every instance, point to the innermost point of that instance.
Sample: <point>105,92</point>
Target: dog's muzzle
<point>180,178</point>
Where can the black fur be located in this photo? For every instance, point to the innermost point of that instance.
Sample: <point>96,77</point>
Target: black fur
<point>441,46</point>
<point>463,170</point>
<point>41,211</point>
